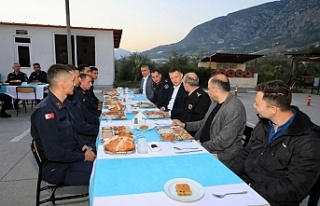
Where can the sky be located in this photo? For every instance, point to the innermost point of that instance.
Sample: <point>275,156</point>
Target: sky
<point>145,23</point>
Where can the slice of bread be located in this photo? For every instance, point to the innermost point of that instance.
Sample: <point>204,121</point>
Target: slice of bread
<point>183,190</point>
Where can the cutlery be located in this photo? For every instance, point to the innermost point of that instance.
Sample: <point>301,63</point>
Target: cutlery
<point>230,193</point>
<point>199,150</point>
<point>179,148</point>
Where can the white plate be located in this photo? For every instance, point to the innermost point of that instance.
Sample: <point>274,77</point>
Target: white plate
<point>196,188</point>
<point>150,127</point>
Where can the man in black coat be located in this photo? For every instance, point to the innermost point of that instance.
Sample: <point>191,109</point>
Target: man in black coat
<point>161,89</point>
<point>197,102</point>
<point>282,159</point>
<point>175,104</point>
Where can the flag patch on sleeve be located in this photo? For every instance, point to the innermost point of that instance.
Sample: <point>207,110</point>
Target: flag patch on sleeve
<point>49,116</point>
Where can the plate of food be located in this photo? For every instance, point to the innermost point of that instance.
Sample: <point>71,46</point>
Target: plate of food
<point>111,93</point>
<point>143,127</point>
<point>113,115</point>
<point>146,105</point>
<point>116,106</point>
<point>155,114</point>
<point>106,133</point>
<point>172,133</point>
<point>120,144</point>
<point>122,130</point>
<point>184,190</point>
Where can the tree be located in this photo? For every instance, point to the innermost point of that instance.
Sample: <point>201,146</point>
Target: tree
<point>128,68</point>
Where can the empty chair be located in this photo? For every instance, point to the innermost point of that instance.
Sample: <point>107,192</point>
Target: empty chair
<point>22,92</point>
<point>52,187</point>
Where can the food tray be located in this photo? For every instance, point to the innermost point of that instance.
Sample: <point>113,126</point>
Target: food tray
<point>111,98</point>
<point>170,133</point>
<point>155,114</point>
<point>111,93</point>
<point>146,105</point>
<point>114,115</point>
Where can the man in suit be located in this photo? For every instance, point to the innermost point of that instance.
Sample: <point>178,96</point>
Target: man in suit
<point>221,130</point>
<point>146,87</point>
<point>175,104</point>
<point>197,102</point>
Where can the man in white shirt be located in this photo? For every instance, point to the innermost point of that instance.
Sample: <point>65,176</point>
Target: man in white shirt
<point>175,106</point>
<point>146,87</point>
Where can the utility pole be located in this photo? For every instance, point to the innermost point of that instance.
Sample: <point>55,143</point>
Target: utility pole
<point>69,45</point>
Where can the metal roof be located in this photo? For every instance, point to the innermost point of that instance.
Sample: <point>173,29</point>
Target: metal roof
<point>311,57</point>
<point>117,33</point>
<point>230,58</point>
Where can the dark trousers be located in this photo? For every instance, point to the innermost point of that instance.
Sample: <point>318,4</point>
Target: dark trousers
<point>7,102</point>
<point>77,173</point>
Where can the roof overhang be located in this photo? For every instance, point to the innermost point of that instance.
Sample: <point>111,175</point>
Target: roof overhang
<point>312,57</point>
<point>117,33</point>
<point>230,58</point>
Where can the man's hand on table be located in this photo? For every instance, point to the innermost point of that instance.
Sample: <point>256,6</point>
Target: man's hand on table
<point>176,122</point>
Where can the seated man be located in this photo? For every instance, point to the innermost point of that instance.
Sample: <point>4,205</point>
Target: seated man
<point>161,89</point>
<point>67,160</point>
<point>38,75</point>
<point>95,103</point>
<point>146,87</point>
<point>282,159</point>
<point>82,94</point>
<point>84,125</point>
<point>175,104</point>
<point>17,75</point>
<point>7,104</point>
<point>197,102</point>
<point>221,130</point>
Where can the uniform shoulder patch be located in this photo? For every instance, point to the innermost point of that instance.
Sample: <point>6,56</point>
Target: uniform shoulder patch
<point>49,116</point>
<point>198,94</point>
<point>166,86</point>
<point>190,106</point>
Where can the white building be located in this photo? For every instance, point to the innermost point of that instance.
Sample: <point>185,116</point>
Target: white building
<point>47,45</point>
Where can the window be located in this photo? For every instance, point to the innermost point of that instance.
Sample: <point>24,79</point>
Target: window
<point>24,56</point>
<point>61,48</point>
<point>86,50</point>
<point>22,40</point>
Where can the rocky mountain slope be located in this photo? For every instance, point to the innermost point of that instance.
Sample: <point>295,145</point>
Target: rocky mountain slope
<point>275,27</point>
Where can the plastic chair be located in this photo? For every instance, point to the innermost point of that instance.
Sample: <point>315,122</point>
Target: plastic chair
<point>52,187</point>
<point>20,90</point>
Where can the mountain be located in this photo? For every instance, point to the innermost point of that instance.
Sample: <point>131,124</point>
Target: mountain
<point>274,27</point>
<point>119,53</point>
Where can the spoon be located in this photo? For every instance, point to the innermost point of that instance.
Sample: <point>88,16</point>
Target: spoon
<point>179,148</point>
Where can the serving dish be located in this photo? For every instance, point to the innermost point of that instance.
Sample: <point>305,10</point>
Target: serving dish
<point>173,133</point>
<point>113,115</point>
<point>155,114</point>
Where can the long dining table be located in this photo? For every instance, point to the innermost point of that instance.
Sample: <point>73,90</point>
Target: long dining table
<point>150,179</point>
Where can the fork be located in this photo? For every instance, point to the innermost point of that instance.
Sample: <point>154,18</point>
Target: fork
<point>230,193</point>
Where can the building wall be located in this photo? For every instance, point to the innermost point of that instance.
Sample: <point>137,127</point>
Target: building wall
<point>42,49</point>
<point>217,65</point>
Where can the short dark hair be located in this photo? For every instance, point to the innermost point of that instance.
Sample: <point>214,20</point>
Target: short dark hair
<point>55,71</point>
<point>276,93</point>
<point>156,70</point>
<point>82,66</point>
<point>93,68</point>
<point>174,69</point>
<point>36,64</point>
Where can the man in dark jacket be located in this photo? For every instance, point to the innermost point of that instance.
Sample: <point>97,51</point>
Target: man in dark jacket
<point>38,75</point>
<point>161,89</point>
<point>198,101</point>
<point>282,159</point>
<point>175,104</point>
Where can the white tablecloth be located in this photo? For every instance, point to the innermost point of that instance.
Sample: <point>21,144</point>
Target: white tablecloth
<point>11,91</point>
